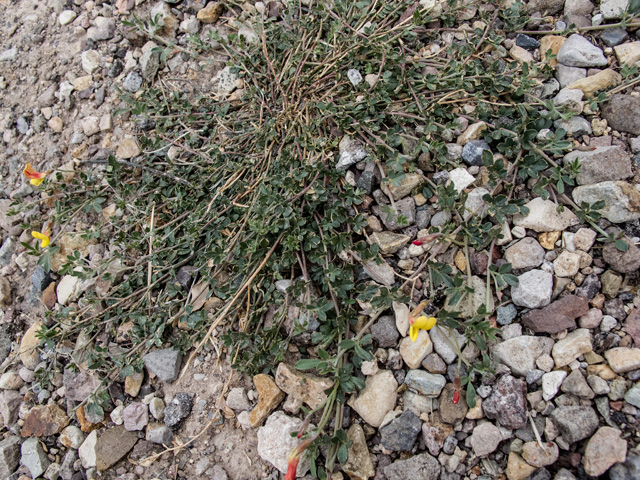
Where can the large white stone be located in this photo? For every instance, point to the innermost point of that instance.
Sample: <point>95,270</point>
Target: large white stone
<point>543,216</point>
<point>534,289</point>
<point>275,442</point>
<point>377,399</point>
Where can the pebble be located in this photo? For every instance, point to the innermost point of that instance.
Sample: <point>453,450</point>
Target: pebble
<point>557,316</point>
<point>401,434</point>
<point>301,387</point>
<point>161,435</point>
<point>34,457</point>
<point>133,82</point>
<point>9,455</point>
<point>71,437</point>
<point>178,410</point>
<point>414,352</point>
<point>425,383</point>
<point>275,442</point>
<point>544,217</point>
<point>66,17</point>
<point>526,253</point>
<point>358,464</point>
<point>551,383</point>
<point>623,359</point>
<point>525,41</point>
<point>422,466</point>
<point>269,397</point>
<point>485,439</point>
<point>385,332</point>
<point>534,289</point>
<point>164,363</point>
<point>623,262</point>
<point>577,51</point>
<point>377,398</point>
<point>452,413</point>
<point>507,402</point>
<point>571,347</point>
<point>460,178</point>
<point>575,423</point>
<point>135,416</point>
<point>622,113</point>
<point>103,29</point>
<point>612,37</point>
<point>91,60</point>
<point>354,77</point>
<point>472,152</point>
<point>520,353</point>
<point>603,450</point>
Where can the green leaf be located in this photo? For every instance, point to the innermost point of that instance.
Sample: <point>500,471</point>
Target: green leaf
<point>343,454</point>
<point>471,395</point>
<point>308,363</point>
<point>622,245</point>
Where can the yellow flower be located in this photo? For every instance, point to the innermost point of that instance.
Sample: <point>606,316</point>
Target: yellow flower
<point>421,323</point>
<point>36,178</point>
<point>44,238</point>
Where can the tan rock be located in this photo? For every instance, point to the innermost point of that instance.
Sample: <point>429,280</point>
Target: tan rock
<point>571,347</point>
<point>82,83</point>
<point>377,399</point>
<point>413,353</point>
<point>113,444</point>
<point>600,81</point>
<point>211,13</point>
<point>628,53</point>
<point>85,425</point>
<point>49,297</point>
<point>553,43</point>
<point>132,383</point>
<point>403,188</point>
<point>603,450</point>
<point>44,421</point>
<point>68,243</point>
<point>460,261</point>
<point>358,465</point>
<point>520,55</point>
<point>540,456</point>
<point>548,239</point>
<point>29,347</point>
<point>55,124</point>
<point>623,359</point>
<point>517,468</point>
<point>5,292</point>
<point>603,371</point>
<point>128,148</point>
<point>301,387</point>
<point>473,132</point>
<point>269,396</point>
<point>389,242</point>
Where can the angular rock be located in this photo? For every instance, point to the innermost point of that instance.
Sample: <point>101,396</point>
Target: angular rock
<point>468,308</point>
<point>485,439</point>
<point>526,253</point>
<point>177,411</point>
<point>160,435</point>
<point>520,353</point>
<point>623,359</point>
<point>574,126</point>
<point>612,37</point>
<point>575,423</point>
<point>452,413</point>
<point>577,51</point>
<point>434,435</point>
<point>136,416</point>
<point>603,450</point>
<point>78,386</point>
<point>632,325</point>
<point>544,217</point>
<point>425,383</point>
<point>422,466</point>
<point>413,353</point>
<point>211,12</point>
<point>29,355</point>
<point>87,451</point>
<point>34,457</point>
<point>559,315</point>
<point>551,383</point>
<point>380,272</point>
<point>377,398</point>
<point>401,215</point>
<point>443,338</point>
<point>507,403</point>
<point>405,185</point>
<point>9,456</point>
<point>517,468</point>
<point>577,385</point>
<point>164,363</point>
<point>472,152</point>
<point>358,465</point>
<point>400,435</point>
<point>613,9</point>
<point>385,332</point>
<point>275,442</point>
<point>623,262</point>
<point>302,387</point>
<point>111,445</point>
<point>622,113</point>
<point>44,421</point>
<point>603,80</point>
<point>534,289</point>
<point>351,151</point>
<point>389,242</point>
<point>72,437</point>
<point>571,347</point>
<point>628,53</point>
<point>630,469</point>
<point>601,165</point>
<point>269,397</point>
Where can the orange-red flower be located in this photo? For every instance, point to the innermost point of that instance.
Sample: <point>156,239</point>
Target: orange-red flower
<point>35,177</point>
<point>294,457</point>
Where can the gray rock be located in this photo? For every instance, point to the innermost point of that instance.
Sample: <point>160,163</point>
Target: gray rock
<point>9,55</point>
<point>567,75</point>
<point>400,435</point>
<point>354,77</point>
<point>9,456</point>
<point>275,442</point>
<point>66,469</point>
<point>526,253</point>
<point>237,400</point>
<point>178,410</point>
<point>135,416</point>
<point>385,332</point>
<point>6,251</point>
<point>132,82</point>
<point>571,99</point>
<point>577,385</point>
<point>78,386</point>
<point>578,7</point>
<point>5,345</point>
<point>527,42</point>
<point>600,165</point>
<point>428,384</point>
<point>543,216</point>
<point>161,435</point>
<point>389,242</point>
<point>546,7</point>
<point>577,51</point>
<point>104,29</point>
<point>442,340</point>
<point>629,470</point>
<point>423,467</point>
<point>613,9</point>
<point>10,401</point>
<point>40,279</point>
<point>622,113</point>
<point>612,37</point>
<point>622,200</point>
<point>149,64</point>
<point>485,439</point>
<point>164,363</point>
<point>507,403</point>
<point>33,457</point>
<point>506,314</point>
<point>398,217</point>
<point>574,126</point>
<point>575,423</point>
<point>472,152</point>
<point>520,353</point>
<point>633,396</point>
<point>351,151</point>
<point>534,289</point>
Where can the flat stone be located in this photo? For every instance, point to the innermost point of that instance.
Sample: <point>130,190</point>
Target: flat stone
<point>380,272</point>
<point>577,51</point>
<point>603,450</point>
<point>534,289</point>
<point>389,242</point>
<point>553,43</point>
<point>29,355</point>
<point>600,165</point>
<point>526,253</point>
<point>136,416</point>
<point>540,456</point>
<point>570,99</point>
<point>575,423</point>
<point>10,402</point>
<point>628,53</point>
<point>413,353</point>
<point>613,9</point>
<point>211,13</point>
<point>34,457</point>
<point>612,37</point>
<point>167,21</point>
<point>520,353</point>
<point>623,359</point>
<point>423,467</point>
<point>302,387</point>
<point>452,413</point>
<point>275,442</point>
<point>577,385</point>
<point>622,113</point>
<point>517,468</point>
<point>351,151</point>
<point>44,421</point>
<point>161,435</point>
<point>377,398</point>
<point>623,262</point>
<point>66,17</point>
<point>9,456</point>
<point>91,60</point>
<point>601,81</point>
<point>632,325</point>
<point>557,316</point>
<point>472,132</point>
<point>427,384</point>
<point>507,403</point>
<point>460,178</point>
<point>400,435</point>
<point>385,332</point>
<point>358,465</point>
<point>402,215</point>
<point>472,152</point>
<point>485,439</point>
<point>104,29</point>
<point>434,435</point>
<point>567,75</point>
<point>72,437</point>
<point>544,217</point>
<point>401,311</point>
<point>551,383</point>
<point>112,445</point>
<point>128,148</point>
<point>443,339</point>
<point>574,126</point>
<point>630,469</point>
<point>407,183</point>
<point>571,347</point>
<point>269,397</point>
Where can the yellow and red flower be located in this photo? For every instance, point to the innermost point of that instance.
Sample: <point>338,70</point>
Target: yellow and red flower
<point>44,237</point>
<point>421,323</point>
<point>35,177</point>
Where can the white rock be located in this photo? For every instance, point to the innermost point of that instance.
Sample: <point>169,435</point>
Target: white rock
<point>67,289</point>
<point>90,125</point>
<point>577,51</point>
<point>613,9</point>
<point>275,442</point>
<point>460,178</point>
<point>551,383</point>
<point>87,451</point>
<point>544,217</point>
<point>401,311</point>
<point>378,397</point>
<point>571,347</point>
<point>485,439</point>
<point>520,353</point>
<point>570,98</point>
<point>534,289</point>
<point>354,77</point>
<point>443,338</point>
<point>66,17</point>
<point>90,61</point>
<point>567,264</point>
<point>413,353</point>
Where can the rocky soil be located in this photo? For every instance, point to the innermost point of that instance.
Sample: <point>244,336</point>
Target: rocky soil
<point>565,397</point>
